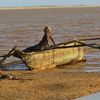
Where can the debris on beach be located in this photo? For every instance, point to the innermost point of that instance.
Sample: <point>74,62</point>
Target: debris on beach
<point>8,76</point>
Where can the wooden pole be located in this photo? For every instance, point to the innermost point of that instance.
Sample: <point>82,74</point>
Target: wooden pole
<point>7,55</point>
<point>73,46</point>
<point>89,39</point>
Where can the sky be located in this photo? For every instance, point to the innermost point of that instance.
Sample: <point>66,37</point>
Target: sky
<point>12,3</point>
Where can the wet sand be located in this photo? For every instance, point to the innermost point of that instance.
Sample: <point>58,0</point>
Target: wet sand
<point>25,27</point>
<point>49,85</point>
<point>48,7</point>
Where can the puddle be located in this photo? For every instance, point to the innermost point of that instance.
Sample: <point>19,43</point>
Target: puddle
<point>88,69</point>
<point>95,96</point>
<point>10,66</point>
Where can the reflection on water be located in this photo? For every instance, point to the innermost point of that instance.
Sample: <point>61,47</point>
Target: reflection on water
<point>25,27</point>
<point>90,69</point>
<point>14,67</point>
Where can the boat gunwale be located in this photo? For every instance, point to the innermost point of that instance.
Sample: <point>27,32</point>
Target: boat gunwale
<point>65,46</point>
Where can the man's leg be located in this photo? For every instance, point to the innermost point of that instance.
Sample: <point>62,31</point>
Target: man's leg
<point>30,49</point>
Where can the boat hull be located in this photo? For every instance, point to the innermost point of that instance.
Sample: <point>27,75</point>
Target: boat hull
<point>50,58</point>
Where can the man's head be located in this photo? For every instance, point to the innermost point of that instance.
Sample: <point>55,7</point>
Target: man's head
<point>47,29</point>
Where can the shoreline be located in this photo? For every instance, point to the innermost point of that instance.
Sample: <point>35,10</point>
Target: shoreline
<point>48,7</point>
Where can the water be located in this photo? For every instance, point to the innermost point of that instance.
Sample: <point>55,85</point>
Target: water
<point>95,96</point>
<point>25,28</point>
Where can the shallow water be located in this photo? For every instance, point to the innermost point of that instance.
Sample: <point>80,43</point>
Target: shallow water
<point>25,27</point>
<point>95,96</point>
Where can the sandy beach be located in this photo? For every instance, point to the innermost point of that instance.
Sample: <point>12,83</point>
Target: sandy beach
<point>49,85</point>
<point>48,7</point>
<point>24,27</point>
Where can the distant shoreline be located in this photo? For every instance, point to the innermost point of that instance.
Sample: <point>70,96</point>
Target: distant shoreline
<point>47,7</point>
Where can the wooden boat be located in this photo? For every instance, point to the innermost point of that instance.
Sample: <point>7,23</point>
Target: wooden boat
<point>62,54</point>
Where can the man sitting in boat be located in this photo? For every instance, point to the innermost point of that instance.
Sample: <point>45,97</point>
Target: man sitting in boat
<point>44,43</point>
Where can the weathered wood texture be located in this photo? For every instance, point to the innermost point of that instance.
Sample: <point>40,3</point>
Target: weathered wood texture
<point>50,58</point>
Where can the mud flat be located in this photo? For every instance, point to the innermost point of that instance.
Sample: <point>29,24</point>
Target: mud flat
<point>53,84</point>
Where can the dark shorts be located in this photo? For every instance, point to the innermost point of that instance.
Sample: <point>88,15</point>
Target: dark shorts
<point>34,48</point>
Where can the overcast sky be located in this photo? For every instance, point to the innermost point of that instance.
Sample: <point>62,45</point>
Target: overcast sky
<point>47,2</point>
